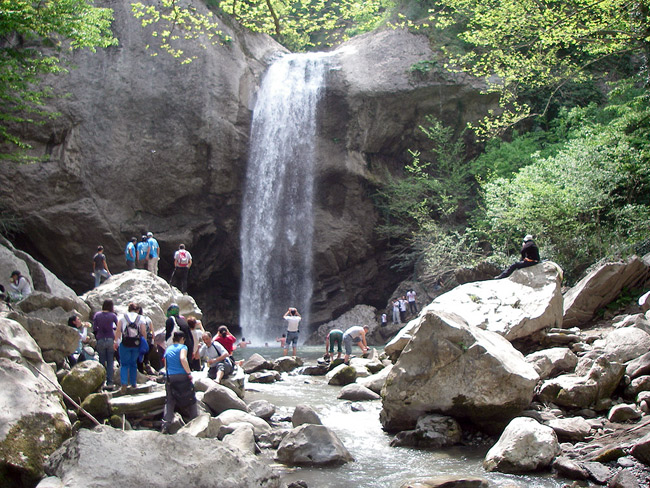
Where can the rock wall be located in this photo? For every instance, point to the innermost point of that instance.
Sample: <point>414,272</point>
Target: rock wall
<point>149,144</point>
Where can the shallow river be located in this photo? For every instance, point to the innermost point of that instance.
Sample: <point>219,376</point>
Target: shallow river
<point>377,465</point>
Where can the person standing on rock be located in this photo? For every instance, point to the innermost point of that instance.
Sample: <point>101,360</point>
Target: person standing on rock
<point>144,360</point>
<point>293,319</point>
<point>410,296</point>
<point>142,252</point>
<point>182,265</point>
<point>196,327</point>
<point>104,324</point>
<point>355,335</point>
<point>154,253</point>
<point>130,331</point>
<point>384,320</point>
<point>179,388</point>
<point>220,364</point>
<point>402,308</point>
<point>129,253</point>
<point>335,336</point>
<point>396,317</point>
<point>529,257</point>
<point>100,267</point>
<point>176,322</point>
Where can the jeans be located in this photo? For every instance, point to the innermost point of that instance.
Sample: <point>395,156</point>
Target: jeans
<point>128,364</point>
<point>98,276</point>
<point>105,351</point>
<point>413,307</point>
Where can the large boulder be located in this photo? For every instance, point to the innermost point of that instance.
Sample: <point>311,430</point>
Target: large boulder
<point>376,381</point>
<point>83,379</point>
<point>553,361</point>
<point>527,301</point>
<point>57,341</point>
<point>312,445</point>
<point>52,307</point>
<point>432,432</point>
<point>593,380</point>
<point>524,446</point>
<point>599,288</point>
<point>33,419</point>
<point>624,344</point>
<point>89,459</point>
<point>219,399</point>
<point>139,405</point>
<point>230,417</point>
<point>149,291</point>
<point>453,368</point>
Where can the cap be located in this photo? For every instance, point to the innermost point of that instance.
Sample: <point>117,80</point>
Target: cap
<point>149,234</point>
<point>528,238</point>
<point>172,310</point>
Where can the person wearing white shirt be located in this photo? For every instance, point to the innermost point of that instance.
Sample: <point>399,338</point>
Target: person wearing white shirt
<point>293,319</point>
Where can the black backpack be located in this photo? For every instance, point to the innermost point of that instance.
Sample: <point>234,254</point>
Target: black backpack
<point>131,333</point>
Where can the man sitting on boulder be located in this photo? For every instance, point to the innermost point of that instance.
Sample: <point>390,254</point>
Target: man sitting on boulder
<point>529,257</point>
<point>220,363</point>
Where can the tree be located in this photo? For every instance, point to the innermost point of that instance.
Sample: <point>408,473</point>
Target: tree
<point>34,40</point>
<point>297,24</point>
<point>541,44</point>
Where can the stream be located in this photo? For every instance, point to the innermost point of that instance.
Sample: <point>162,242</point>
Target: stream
<point>377,465</point>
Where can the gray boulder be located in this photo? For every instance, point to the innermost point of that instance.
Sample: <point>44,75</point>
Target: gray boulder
<point>304,414</point>
<point>39,302</point>
<point>431,431</point>
<point>527,301</point>
<point>641,449</point>
<point>376,381</point>
<point>219,399</point>
<point>264,377</point>
<point>448,481</point>
<point>592,381</point>
<point>263,409</point>
<point>151,292</point>
<point>33,419</point>
<point>204,426</point>
<point>431,375</point>
<point>312,445</point>
<point>78,464</point>
<point>524,446</point>
<point>241,438</point>
<point>624,344</point>
<point>599,288</point>
<point>574,429</point>
<point>356,393</point>
<point>285,364</point>
<point>639,366</point>
<point>138,405</point>
<point>256,362</point>
<point>56,341</point>
<point>553,361</point>
<point>342,375</point>
<point>83,379</point>
<point>230,417</point>
<point>624,412</point>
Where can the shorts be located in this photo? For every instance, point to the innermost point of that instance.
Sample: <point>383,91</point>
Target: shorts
<point>225,366</point>
<point>336,338</point>
<point>292,338</point>
<point>349,341</point>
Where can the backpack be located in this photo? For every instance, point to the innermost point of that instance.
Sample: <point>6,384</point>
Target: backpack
<point>183,257</point>
<point>131,333</point>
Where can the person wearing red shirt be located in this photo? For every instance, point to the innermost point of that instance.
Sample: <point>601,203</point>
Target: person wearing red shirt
<point>226,339</point>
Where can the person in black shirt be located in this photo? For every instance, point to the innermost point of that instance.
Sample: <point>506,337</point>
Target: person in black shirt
<point>529,257</point>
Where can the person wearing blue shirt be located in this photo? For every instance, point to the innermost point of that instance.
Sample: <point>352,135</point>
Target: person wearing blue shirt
<point>179,387</point>
<point>142,253</point>
<point>129,253</point>
<point>154,255</point>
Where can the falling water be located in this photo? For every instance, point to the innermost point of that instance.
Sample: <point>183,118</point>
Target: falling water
<point>277,220</point>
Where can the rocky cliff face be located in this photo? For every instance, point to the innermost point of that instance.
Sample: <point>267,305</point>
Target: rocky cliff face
<point>148,144</point>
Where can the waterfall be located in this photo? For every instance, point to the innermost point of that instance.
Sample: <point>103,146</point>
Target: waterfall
<point>277,216</point>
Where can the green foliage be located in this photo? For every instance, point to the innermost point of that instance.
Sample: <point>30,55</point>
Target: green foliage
<point>174,23</point>
<point>425,207</point>
<point>297,24</point>
<point>540,44</point>
<point>589,200</point>
<point>34,40</point>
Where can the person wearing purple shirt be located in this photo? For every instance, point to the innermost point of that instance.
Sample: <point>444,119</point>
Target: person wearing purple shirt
<point>104,324</point>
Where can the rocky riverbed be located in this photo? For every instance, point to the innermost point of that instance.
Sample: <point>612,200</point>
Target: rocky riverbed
<point>485,387</point>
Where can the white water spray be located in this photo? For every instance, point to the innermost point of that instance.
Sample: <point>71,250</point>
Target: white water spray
<point>277,217</point>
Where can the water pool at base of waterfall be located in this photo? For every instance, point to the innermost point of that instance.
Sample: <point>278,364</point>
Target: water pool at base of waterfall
<point>376,465</point>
